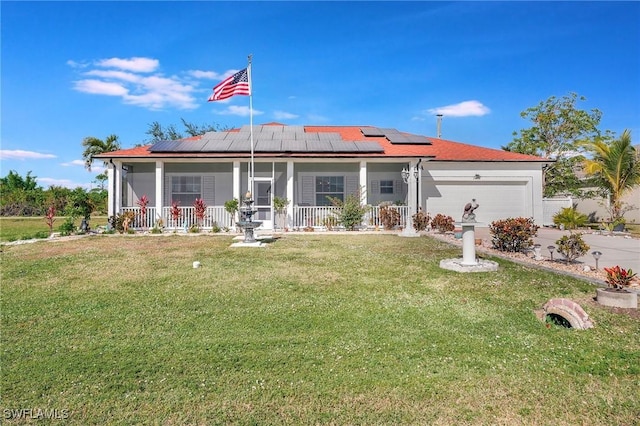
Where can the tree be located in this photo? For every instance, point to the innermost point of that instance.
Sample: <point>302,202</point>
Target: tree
<point>170,133</point>
<point>616,165</point>
<point>558,130</point>
<point>94,146</point>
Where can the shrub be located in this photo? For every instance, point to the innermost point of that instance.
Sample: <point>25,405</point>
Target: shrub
<point>117,222</point>
<point>443,223</point>
<point>142,203</point>
<point>176,212</point>
<point>420,221</point>
<point>389,217</point>
<point>618,277</point>
<point>68,227</point>
<point>572,246</point>
<point>570,218</point>
<point>513,234</point>
<point>200,208</point>
<point>50,217</point>
<point>351,211</point>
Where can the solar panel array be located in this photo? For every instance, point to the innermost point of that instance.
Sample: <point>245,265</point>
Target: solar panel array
<point>269,139</point>
<point>396,137</point>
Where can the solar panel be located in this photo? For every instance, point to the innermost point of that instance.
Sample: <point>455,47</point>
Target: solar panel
<point>295,146</point>
<point>340,146</point>
<point>372,131</point>
<point>330,136</point>
<point>368,147</point>
<point>160,146</point>
<point>240,145</point>
<point>268,145</point>
<point>319,146</point>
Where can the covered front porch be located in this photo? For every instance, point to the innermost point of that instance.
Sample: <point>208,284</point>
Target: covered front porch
<point>171,188</point>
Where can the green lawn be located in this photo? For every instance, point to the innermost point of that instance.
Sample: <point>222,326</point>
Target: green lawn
<point>24,228</point>
<point>313,329</point>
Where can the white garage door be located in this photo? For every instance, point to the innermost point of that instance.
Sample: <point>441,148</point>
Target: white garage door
<point>497,200</point>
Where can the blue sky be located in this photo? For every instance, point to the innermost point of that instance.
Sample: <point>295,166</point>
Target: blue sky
<point>77,69</point>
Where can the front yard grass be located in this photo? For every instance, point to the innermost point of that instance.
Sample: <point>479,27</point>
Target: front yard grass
<point>313,329</point>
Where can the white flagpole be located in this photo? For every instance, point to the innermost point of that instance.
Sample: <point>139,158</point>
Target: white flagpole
<point>251,169</point>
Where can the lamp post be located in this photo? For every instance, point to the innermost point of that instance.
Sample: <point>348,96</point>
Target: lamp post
<point>596,255</point>
<point>408,176</point>
<point>551,249</point>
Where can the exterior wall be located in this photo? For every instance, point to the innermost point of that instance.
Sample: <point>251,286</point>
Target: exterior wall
<point>501,189</point>
<point>507,189</point>
<point>595,207</point>
<point>386,171</point>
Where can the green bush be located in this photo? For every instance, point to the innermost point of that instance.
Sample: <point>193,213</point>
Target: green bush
<point>572,246</point>
<point>570,218</point>
<point>351,211</point>
<point>420,221</point>
<point>443,223</point>
<point>513,234</point>
<point>68,227</point>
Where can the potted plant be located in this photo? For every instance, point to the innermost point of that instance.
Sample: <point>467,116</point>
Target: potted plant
<point>617,293</point>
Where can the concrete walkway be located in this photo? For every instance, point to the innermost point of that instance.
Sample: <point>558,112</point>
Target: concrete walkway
<point>617,249</point>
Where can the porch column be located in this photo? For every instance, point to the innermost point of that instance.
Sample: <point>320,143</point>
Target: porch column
<point>363,183</point>
<point>111,192</point>
<point>159,190</point>
<point>290,190</point>
<point>236,181</point>
<point>412,202</point>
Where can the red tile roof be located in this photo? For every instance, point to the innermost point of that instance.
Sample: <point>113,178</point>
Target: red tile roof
<point>438,150</point>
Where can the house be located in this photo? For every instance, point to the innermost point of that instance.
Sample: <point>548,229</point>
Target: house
<point>307,164</point>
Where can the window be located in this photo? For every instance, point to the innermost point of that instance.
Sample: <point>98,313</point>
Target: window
<point>329,186</point>
<point>186,189</point>
<point>386,187</point>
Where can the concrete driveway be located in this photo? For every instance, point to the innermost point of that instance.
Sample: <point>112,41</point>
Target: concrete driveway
<point>618,249</point>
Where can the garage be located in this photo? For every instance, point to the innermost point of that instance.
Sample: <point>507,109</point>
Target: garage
<point>497,199</point>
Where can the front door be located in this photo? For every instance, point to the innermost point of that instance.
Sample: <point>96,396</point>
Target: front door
<point>263,197</point>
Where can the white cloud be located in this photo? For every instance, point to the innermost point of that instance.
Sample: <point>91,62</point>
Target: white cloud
<point>66,183</point>
<point>283,115</point>
<point>135,64</point>
<point>462,109</point>
<point>18,154</point>
<point>137,81</point>
<point>97,87</point>
<point>241,111</point>
<point>207,75</point>
<point>73,163</point>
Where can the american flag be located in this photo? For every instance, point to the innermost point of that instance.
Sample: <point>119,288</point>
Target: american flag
<point>237,84</point>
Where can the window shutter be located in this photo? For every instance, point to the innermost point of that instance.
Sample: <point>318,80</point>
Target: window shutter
<point>398,184</point>
<point>353,185</point>
<point>375,186</point>
<point>308,191</point>
<point>209,189</point>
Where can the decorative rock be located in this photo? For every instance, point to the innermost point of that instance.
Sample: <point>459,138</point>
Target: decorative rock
<point>568,310</point>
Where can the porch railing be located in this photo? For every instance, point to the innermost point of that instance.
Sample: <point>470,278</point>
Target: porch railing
<point>326,217</point>
<point>317,217</point>
<point>214,216</point>
<point>139,222</point>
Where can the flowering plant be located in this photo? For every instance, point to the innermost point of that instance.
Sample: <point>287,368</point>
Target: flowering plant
<point>618,277</point>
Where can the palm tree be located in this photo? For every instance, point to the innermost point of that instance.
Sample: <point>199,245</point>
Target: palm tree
<point>94,146</point>
<point>617,165</point>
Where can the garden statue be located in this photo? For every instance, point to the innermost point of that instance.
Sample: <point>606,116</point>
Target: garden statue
<point>468,215</point>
